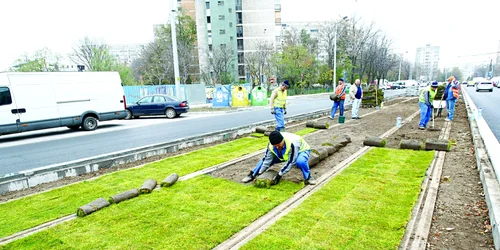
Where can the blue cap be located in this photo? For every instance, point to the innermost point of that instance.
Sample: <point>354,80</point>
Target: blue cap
<point>286,83</point>
<point>434,84</point>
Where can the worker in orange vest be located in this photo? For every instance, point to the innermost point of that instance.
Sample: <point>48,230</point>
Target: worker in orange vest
<point>338,101</point>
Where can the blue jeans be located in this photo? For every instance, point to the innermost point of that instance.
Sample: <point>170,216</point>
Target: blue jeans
<point>425,114</point>
<point>336,105</point>
<point>450,106</point>
<point>280,118</point>
<point>302,163</point>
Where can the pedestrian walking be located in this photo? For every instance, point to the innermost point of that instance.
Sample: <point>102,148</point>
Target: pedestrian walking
<point>278,105</point>
<point>356,94</point>
<point>425,103</point>
<point>284,147</point>
<point>451,95</point>
<point>338,100</point>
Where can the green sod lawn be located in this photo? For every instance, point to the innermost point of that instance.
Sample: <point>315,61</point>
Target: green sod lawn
<point>365,207</point>
<point>34,210</point>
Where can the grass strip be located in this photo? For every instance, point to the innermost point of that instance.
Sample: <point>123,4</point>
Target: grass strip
<point>367,206</point>
<point>34,210</point>
<point>198,213</point>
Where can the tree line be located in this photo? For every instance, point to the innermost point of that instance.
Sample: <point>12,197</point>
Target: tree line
<point>303,58</point>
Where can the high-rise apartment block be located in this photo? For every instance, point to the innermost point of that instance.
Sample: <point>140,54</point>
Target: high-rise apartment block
<point>427,60</point>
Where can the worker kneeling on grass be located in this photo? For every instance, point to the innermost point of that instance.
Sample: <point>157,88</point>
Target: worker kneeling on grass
<point>284,147</point>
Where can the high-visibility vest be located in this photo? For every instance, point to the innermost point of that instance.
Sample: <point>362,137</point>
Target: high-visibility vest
<point>280,100</point>
<point>289,139</point>
<point>339,90</point>
<point>432,94</point>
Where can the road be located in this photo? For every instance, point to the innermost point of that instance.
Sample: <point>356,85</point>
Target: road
<point>37,149</point>
<point>487,101</point>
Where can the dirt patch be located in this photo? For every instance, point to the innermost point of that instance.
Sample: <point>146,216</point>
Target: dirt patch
<point>460,219</point>
<point>372,125</point>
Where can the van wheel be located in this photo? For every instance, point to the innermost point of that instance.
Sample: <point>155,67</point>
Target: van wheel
<point>170,113</point>
<point>129,115</point>
<point>89,123</point>
<point>74,127</point>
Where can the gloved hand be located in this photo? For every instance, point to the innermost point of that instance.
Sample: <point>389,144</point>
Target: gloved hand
<point>276,179</point>
<point>272,111</point>
<point>285,112</point>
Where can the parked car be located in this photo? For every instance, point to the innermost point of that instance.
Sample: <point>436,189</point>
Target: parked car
<point>398,85</point>
<point>471,84</point>
<point>486,85</point>
<point>168,106</point>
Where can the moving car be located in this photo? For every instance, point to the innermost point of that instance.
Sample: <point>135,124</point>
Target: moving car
<point>471,83</point>
<point>168,106</point>
<point>486,85</point>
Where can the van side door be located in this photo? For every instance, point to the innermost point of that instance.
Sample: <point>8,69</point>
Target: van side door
<point>9,114</point>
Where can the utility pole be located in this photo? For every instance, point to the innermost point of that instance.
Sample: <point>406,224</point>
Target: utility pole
<point>345,18</point>
<point>174,48</point>
<point>335,60</point>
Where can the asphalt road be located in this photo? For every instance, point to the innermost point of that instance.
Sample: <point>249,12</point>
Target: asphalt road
<point>488,102</point>
<point>43,148</point>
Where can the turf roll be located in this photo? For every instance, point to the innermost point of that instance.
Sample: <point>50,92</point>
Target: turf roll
<point>148,186</point>
<point>124,196</point>
<point>170,180</point>
<point>92,207</point>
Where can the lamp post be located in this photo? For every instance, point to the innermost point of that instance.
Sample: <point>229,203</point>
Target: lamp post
<point>400,62</point>
<point>345,18</point>
<point>174,50</point>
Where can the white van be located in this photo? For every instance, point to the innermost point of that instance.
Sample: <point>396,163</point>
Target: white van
<point>41,100</point>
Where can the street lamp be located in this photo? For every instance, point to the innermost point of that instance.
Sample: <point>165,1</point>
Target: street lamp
<point>400,62</point>
<point>345,18</point>
<point>174,50</point>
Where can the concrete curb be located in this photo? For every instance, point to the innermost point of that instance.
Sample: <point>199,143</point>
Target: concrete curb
<point>486,165</point>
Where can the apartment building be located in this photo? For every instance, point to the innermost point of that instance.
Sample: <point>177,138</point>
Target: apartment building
<point>237,27</point>
<point>427,60</point>
<point>126,53</point>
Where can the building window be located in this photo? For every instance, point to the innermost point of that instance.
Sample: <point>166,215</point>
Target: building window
<point>231,38</point>
<point>222,46</point>
<point>241,57</point>
<point>208,19</point>
<point>239,18</point>
<point>230,10</point>
<point>241,70</point>
<point>210,47</point>
<point>239,31</point>
<point>220,3</point>
<point>240,44</point>
<point>238,5</point>
<point>230,24</point>
<point>207,5</point>
<point>277,7</point>
<point>222,32</point>
<point>221,17</point>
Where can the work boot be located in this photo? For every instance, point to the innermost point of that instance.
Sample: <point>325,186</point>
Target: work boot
<point>310,181</point>
<point>248,178</point>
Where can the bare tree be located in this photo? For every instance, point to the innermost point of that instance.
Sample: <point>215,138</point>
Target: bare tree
<point>354,38</point>
<point>157,61</point>
<point>93,54</point>
<point>259,62</point>
<point>222,61</point>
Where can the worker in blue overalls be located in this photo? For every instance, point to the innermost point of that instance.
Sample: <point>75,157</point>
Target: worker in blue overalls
<point>278,105</point>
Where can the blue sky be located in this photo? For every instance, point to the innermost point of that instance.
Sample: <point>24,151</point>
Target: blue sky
<point>464,29</point>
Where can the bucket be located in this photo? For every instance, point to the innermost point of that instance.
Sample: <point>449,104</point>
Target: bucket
<point>341,119</point>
